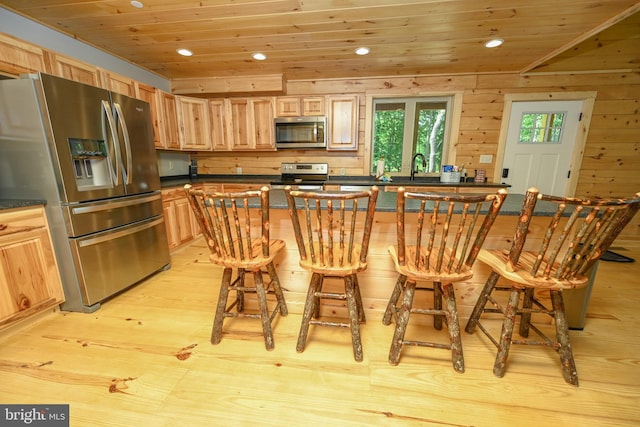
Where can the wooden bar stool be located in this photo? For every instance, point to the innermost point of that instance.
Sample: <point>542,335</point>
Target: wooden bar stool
<point>575,237</point>
<point>333,241</point>
<point>441,249</point>
<point>236,240</point>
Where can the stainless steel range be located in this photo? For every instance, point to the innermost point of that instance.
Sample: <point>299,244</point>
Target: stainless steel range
<point>302,176</point>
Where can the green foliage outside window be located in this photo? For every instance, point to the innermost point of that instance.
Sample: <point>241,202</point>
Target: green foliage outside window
<point>541,127</point>
<point>387,138</point>
<point>403,128</point>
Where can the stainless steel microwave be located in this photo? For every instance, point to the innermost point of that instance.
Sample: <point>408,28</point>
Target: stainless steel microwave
<point>301,132</point>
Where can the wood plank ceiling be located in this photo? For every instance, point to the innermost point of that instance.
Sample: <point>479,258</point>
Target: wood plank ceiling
<point>312,39</point>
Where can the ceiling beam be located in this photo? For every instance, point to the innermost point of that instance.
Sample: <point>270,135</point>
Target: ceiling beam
<point>250,85</point>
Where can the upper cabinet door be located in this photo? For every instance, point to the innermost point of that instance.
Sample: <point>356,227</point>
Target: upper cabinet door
<point>118,83</point>
<point>313,106</point>
<point>72,69</point>
<point>261,120</point>
<point>169,133</point>
<point>288,106</point>
<point>237,124</point>
<point>17,57</point>
<point>343,122</point>
<point>193,123</point>
<point>149,94</point>
<point>217,116</point>
<point>295,106</point>
<point>249,124</point>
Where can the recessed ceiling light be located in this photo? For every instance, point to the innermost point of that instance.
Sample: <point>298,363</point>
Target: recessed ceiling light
<point>136,3</point>
<point>493,43</point>
<point>184,52</point>
<point>259,56</point>
<point>362,51</point>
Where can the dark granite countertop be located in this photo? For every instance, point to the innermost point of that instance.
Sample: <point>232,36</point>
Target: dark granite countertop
<point>172,181</point>
<point>387,203</point>
<point>20,203</point>
<point>386,200</point>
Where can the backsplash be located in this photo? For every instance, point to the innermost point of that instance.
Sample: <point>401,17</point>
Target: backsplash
<point>173,163</point>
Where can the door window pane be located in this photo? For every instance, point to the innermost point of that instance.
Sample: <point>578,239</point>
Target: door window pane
<point>541,128</point>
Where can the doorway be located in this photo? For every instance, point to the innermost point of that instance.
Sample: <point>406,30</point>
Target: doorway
<point>542,141</point>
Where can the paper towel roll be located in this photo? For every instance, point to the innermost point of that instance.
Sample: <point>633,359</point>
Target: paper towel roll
<point>380,167</point>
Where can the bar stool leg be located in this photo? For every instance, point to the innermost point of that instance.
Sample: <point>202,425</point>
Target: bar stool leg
<point>453,326</point>
<point>264,310</point>
<point>393,300</point>
<point>316,300</point>
<point>437,305</point>
<point>358,297</point>
<point>401,322</point>
<point>525,317</point>
<point>309,309</point>
<point>569,370</point>
<point>240,293</point>
<point>506,334</point>
<point>481,302</point>
<point>354,316</point>
<point>277,289</point>
<point>216,333</point>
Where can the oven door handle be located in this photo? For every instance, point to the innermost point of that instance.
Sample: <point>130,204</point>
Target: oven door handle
<point>310,187</point>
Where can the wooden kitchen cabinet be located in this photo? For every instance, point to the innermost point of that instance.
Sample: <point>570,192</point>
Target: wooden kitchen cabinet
<point>179,219</point>
<point>288,106</point>
<point>249,124</point>
<point>29,277</point>
<point>237,124</point>
<point>118,83</point>
<point>294,106</point>
<point>168,121</point>
<point>150,94</point>
<point>217,116</point>
<point>313,106</point>
<point>261,115</point>
<point>193,123</point>
<point>73,69</point>
<point>237,187</point>
<point>17,57</point>
<point>342,121</point>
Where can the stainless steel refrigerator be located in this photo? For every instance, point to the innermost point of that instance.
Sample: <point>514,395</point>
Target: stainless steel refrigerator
<point>89,153</point>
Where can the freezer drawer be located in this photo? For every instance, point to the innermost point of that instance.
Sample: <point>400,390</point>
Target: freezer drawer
<point>86,218</point>
<point>110,261</point>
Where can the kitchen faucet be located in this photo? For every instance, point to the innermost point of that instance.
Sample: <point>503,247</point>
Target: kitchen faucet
<point>413,162</point>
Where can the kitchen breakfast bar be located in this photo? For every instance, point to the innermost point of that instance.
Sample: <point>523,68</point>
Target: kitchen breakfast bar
<point>377,281</point>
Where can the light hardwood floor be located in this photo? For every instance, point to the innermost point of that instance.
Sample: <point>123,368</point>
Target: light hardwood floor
<point>144,359</point>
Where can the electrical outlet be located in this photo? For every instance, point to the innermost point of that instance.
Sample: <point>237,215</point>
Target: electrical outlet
<point>486,158</point>
<point>239,171</point>
<point>342,171</point>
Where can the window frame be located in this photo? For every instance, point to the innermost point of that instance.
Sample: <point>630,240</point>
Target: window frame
<point>452,129</point>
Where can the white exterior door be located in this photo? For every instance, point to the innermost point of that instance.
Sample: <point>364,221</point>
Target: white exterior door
<point>540,141</point>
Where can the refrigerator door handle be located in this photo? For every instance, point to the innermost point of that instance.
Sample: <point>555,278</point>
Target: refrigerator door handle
<point>114,161</point>
<point>114,205</point>
<point>127,143</point>
<point>115,234</point>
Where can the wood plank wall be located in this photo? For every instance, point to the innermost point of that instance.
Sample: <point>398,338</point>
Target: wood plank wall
<point>610,165</point>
